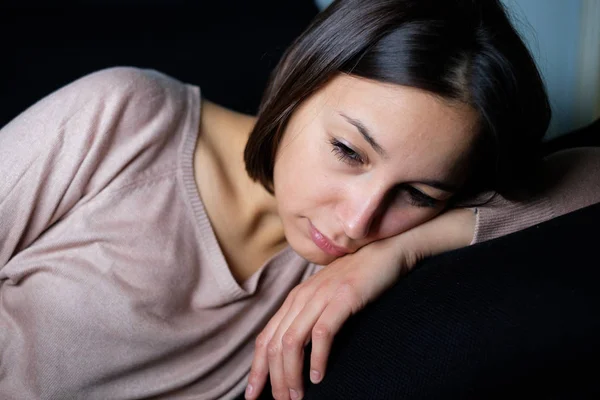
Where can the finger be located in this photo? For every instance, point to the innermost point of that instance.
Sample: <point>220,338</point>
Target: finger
<point>260,367</point>
<point>260,363</point>
<point>291,349</point>
<point>327,326</point>
<point>279,389</point>
<point>295,338</point>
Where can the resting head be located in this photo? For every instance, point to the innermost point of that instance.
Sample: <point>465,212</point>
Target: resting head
<point>384,113</point>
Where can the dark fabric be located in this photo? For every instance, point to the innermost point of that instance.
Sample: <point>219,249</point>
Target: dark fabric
<point>518,316</point>
<point>228,48</point>
<point>588,135</point>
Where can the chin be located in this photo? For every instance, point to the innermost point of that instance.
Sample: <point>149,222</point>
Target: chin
<point>315,256</point>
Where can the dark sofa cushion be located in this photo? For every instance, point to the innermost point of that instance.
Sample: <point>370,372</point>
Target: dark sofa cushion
<point>227,47</point>
<point>588,135</point>
<point>515,317</point>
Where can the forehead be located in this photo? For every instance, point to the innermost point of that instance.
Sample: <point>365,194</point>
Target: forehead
<point>413,126</point>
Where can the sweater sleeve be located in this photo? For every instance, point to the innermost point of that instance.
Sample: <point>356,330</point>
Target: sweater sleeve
<point>570,180</point>
<point>51,153</point>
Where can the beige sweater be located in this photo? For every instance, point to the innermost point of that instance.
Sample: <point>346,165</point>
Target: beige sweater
<point>112,283</point>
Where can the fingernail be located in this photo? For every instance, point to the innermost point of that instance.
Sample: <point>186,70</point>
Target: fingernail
<point>315,376</point>
<point>249,390</point>
<point>294,395</point>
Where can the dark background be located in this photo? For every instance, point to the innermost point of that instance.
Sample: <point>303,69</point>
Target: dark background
<point>228,48</point>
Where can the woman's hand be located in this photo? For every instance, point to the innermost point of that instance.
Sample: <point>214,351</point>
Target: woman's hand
<point>316,309</point>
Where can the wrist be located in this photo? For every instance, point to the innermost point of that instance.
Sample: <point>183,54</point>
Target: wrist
<point>450,230</point>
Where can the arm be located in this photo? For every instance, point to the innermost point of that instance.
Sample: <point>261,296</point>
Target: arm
<point>570,180</point>
<point>61,150</point>
<point>316,309</point>
<point>39,155</point>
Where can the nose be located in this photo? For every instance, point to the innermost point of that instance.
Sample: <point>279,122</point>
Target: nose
<point>361,211</point>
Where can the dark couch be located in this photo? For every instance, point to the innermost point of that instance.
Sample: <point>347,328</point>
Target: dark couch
<point>517,316</point>
<point>227,47</point>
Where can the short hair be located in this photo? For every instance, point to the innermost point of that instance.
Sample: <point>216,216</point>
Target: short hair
<point>464,50</point>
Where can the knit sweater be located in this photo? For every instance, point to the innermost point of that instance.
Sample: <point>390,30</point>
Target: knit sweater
<point>112,282</point>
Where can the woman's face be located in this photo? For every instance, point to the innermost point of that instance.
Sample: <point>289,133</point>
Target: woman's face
<point>362,160</point>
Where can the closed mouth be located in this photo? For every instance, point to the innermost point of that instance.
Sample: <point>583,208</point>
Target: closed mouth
<point>325,244</point>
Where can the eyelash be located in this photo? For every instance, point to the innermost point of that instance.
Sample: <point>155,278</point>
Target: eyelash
<point>347,155</point>
<point>420,199</point>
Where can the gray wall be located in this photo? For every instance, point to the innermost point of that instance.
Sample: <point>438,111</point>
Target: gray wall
<point>551,29</point>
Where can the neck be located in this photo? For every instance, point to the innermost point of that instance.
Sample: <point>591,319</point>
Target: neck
<point>243,213</point>
<point>227,133</point>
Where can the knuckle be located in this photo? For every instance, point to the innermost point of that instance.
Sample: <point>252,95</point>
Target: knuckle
<point>273,349</point>
<point>292,294</point>
<point>321,331</point>
<point>348,293</point>
<point>322,285</point>
<point>302,295</point>
<point>261,340</point>
<point>290,340</point>
<point>295,290</point>
<point>346,288</point>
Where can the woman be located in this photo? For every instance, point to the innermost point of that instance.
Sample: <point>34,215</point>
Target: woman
<point>149,235</point>
<point>479,133</point>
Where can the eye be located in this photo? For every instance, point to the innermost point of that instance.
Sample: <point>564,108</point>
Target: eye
<point>419,199</point>
<point>345,153</point>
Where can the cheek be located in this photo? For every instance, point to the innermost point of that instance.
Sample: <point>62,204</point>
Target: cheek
<point>301,191</point>
<point>301,177</point>
<point>292,184</point>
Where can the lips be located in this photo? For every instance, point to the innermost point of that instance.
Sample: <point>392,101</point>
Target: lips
<point>325,244</point>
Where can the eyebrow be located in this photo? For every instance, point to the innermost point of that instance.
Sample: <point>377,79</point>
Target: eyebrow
<point>366,134</point>
<point>446,187</point>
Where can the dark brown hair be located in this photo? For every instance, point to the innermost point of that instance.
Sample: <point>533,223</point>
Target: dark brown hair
<point>465,50</point>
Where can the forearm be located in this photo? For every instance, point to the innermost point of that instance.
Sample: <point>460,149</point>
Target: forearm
<point>450,230</point>
<point>569,180</point>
